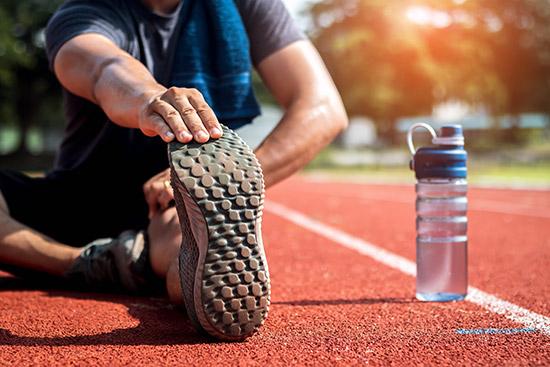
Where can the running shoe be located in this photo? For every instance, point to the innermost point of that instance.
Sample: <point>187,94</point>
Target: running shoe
<point>219,192</point>
<point>116,264</point>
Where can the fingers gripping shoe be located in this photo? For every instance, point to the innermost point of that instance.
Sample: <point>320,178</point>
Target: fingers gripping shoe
<point>219,192</point>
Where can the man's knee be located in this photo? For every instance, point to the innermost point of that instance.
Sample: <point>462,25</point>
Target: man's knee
<point>3,205</point>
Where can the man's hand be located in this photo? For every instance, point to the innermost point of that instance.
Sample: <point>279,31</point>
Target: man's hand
<point>180,113</point>
<point>158,193</point>
<point>93,67</point>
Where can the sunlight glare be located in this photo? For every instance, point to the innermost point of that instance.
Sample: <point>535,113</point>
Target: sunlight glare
<point>423,15</point>
<point>418,14</point>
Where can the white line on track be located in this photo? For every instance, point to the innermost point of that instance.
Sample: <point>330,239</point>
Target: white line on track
<point>476,296</point>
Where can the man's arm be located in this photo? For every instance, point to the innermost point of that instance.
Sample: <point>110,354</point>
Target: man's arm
<point>314,113</point>
<point>93,67</point>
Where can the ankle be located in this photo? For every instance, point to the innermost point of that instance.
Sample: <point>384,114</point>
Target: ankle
<point>69,257</point>
<point>173,285</point>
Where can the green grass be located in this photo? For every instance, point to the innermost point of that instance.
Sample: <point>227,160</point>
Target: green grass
<point>512,175</point>
<point>481,170</point>
<point>538,173</point>
<point>369,173</point>
<point>500,166</point>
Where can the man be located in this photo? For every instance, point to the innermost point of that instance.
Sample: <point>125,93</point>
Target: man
<point>138,74</point>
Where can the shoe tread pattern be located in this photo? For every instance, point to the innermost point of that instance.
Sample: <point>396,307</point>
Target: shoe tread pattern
<point>225,179</point>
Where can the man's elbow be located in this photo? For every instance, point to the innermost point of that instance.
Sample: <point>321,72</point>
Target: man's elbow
<point>337,117</point>
<point>341,121</point>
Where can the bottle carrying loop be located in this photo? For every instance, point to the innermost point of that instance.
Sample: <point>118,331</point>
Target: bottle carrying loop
<point>415,126</point>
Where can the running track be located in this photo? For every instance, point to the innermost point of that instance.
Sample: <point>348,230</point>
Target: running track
<point>341,257</point>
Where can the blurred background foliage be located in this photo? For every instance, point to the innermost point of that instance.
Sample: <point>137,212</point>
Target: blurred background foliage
<point>394,58</point>
<point>390,59</point>
<point>30,98</point>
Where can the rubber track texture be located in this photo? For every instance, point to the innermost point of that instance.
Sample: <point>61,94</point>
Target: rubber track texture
<point>219,192</point>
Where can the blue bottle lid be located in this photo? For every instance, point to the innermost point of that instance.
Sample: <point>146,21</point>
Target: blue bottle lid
<point>445,159</point>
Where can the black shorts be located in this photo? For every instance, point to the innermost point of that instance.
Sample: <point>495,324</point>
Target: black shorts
<point>74,210</point>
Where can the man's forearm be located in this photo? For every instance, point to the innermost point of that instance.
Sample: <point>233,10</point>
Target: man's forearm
<point>121,86</point>
<point>305,129</point>
<point>93,67</point>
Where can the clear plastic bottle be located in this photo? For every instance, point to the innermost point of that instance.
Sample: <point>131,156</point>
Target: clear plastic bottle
<point>441,223</point>
<point>441,242</point>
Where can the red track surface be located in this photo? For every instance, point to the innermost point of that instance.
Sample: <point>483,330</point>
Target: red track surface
<point>331,305</point>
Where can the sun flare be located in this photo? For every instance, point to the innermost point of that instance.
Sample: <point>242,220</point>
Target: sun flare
<point>423,15</point>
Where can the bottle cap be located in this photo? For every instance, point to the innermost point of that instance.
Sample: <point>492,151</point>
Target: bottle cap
<point>446,159</point>
<point>449,135</point>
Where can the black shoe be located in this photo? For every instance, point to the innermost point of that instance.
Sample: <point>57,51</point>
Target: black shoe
<point>116,264</point>
<point>219,192</point>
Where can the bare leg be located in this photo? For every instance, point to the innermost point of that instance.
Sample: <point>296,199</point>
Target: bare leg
<point>165,241</point>
<point>23,247</point>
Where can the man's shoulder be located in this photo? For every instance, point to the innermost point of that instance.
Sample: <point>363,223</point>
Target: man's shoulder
<point>95,3</point>
<point>114,12</point>
<point>248,8</point>
<point>269,25</point>
<point>110,6</point>
<point>110,18</point>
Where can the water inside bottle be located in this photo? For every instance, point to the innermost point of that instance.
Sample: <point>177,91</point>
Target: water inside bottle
<point>441,252</point>
<point>442,270</point>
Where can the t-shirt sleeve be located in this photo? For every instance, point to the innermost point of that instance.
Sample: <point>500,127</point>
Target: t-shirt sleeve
<point>78,17</point>
<point>269,26</point>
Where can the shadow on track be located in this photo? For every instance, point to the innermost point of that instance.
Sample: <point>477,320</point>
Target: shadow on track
<point>160,323</point>
<point>334,302</point>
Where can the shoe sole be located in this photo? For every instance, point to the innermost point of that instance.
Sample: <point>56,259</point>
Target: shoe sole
<point>219,193</point>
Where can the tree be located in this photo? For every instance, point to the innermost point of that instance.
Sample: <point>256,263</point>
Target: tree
<point>521,49</point>
<point>486,52</point>
<point>378,65</point>
<point>27,87</point>
<point>514,44</point>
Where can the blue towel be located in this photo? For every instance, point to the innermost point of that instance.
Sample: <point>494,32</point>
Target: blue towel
<point>212,55</point>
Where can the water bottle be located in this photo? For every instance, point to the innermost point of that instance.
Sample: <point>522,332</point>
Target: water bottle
<point>441,221</point>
